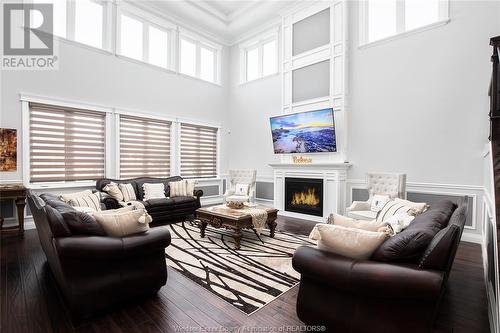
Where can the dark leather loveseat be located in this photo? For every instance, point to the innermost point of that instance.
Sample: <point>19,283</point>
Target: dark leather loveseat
<point>96,272</point>
<point>161,210</point>
<point>398,290</point>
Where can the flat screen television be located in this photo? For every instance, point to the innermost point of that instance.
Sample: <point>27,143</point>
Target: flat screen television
<point>304,132</point>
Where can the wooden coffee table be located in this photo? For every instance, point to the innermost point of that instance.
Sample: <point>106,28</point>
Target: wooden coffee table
<point>221,216</point>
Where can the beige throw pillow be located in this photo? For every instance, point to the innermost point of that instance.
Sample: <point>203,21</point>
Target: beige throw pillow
<point>348,242</point>
<point>182,188</point>
<point>116,211</point>
<point>122,224</point>
<point>68,196</point>
<point>416,207</point>
<point>93,201</point>
<point>348,222</point>
<point>114,191</point>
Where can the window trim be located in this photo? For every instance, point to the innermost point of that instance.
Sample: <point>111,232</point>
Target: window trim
<point>258,43</point>
<point>363,42</point>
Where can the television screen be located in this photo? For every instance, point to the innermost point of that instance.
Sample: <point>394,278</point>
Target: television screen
<point>305,132</point>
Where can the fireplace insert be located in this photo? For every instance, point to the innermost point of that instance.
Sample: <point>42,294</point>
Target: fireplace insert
<point>304,195</point>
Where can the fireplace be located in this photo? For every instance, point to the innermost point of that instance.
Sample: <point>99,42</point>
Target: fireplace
<point>304,195</point>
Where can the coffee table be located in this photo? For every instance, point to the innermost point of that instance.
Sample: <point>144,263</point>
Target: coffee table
<point>221,216</point>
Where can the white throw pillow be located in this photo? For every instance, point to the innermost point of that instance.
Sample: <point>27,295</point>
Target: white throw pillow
<point>378,202</point>
<point>399,222</point>
<point>348,222</point>
<point>398,206</point>
<point>93,201</point>
<point>417,207</point>
<point>153,191</point>
<point>128,192</point>
<point>68,196</point>
<point>190,184</point>
<point>124,223</point>
<point>241,189</point>
<point>348,242</point>
<point>114,191</point>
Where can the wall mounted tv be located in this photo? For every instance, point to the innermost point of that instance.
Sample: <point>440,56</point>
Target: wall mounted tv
<point>304,132</point>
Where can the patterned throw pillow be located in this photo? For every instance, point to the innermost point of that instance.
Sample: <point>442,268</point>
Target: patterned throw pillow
<point>128,192</point>
<point>114,191</point>
<point>93,201</point>
<point>153,191</point>
<point>241,189</point>
<point>182,188</point>
<point>398,206</point>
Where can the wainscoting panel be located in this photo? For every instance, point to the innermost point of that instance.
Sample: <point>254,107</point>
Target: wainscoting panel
<point>209,190</point>
<point>264,190</point>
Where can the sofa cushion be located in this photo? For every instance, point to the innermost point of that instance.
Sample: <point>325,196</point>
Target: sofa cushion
<point>56,222</point>
<point>159,202</point>
<point>184,200</point>
<point>81,223</point>
<point>409,245</point>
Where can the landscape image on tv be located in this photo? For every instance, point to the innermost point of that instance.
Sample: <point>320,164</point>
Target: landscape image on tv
<point>306,132</point>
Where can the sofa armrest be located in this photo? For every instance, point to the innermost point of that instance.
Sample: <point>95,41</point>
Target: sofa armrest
<point>198,193</point>
<point>367,278</point>
<point>359,205</point>
<point>102,247</point>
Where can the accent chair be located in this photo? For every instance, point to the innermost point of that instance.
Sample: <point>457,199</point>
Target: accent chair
<point>237,178</point>
<point>391,184</point>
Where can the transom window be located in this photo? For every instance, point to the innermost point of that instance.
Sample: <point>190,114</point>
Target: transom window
<point>259,58</point>
<point>386,18</point>
<point>198,59</point>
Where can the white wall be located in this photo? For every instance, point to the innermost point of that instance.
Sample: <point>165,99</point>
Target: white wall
<point>95,77</point>
<point>417,104</point>
<point>250,106</point>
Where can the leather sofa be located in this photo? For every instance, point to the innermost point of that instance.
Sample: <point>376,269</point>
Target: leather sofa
<point>398,290</point>
<point>96,272</point>
<point>165,210</point>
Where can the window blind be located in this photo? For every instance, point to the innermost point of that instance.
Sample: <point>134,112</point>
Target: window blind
<point>144,147</point>
<point>198,148</point>
<point>66,144</point>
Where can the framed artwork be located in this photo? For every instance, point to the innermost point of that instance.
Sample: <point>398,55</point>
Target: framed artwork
<point>8,149</point>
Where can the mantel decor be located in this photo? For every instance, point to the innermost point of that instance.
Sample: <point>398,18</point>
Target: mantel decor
<point>302,160</point>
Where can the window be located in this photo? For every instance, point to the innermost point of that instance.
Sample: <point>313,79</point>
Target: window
<point>144,147</point>
<point>198,59</point>
<point>131,37</point>
<point>89,23</point>
<point>66,144</point>
<point>386,18</point>
<point>84,21</point>
<point>158,47</point>
<point>198,151</point>
<point>260,59</point>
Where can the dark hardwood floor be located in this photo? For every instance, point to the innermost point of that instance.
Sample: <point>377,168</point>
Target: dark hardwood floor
<point>30,301</point>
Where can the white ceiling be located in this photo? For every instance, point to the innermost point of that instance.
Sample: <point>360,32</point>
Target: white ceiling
<point>227,20</point>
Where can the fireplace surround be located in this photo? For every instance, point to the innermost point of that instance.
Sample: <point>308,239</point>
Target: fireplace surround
<point>304,195</point>
<point>333,177</point>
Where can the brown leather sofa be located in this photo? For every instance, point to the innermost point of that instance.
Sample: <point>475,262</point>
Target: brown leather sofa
<point>161,210</point>
<point>96,272</point>
<point>398,290</point>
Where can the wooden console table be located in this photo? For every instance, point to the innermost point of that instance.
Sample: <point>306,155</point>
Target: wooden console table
<point>17,193</point>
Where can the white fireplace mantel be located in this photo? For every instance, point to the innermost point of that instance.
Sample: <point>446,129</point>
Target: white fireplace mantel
<point>334,186</point>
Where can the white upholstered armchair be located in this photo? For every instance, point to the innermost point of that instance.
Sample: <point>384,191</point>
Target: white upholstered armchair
<point>390,184</point>
<point>241,185</point>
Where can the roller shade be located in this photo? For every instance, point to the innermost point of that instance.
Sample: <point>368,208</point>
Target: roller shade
<point>144,147</point>
<point>198,150</point>
<point>66,144</point>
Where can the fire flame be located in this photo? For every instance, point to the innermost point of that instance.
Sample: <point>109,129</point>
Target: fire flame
<point>306,198</point>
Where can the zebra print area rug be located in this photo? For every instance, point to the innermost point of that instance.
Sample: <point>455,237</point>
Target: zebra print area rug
<point>248,278</point>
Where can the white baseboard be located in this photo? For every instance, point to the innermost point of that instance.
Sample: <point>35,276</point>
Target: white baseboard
<point>28,222</point>
<point>472,237</point>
